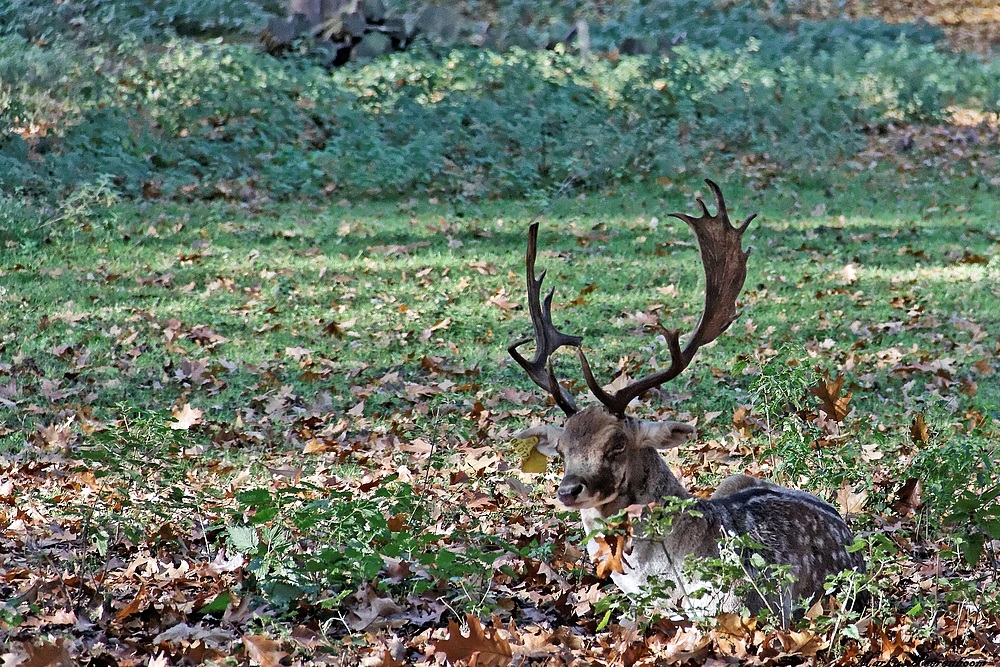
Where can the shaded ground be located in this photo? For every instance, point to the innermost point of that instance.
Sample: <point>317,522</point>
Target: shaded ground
<point>971,25</point>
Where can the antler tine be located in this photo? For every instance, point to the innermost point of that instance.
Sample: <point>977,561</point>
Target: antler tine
<point>725,263</point>
<point>547,338</point>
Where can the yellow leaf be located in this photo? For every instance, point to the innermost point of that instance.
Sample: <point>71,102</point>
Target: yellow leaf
<point>535,462</point>
<point>314,446</point>
<point>532,460</point>
<point>849,501</point>
<point>609,555</point>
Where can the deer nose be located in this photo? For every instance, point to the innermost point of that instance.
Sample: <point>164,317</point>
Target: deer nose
<point>569,491</point>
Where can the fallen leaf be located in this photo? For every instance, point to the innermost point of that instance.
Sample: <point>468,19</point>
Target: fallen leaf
<point>133,607</point>
<point>805,642</point>
<point>263,651</point>
<point>849,274</point>
<point>849,501</point>
<point>185,417</point>
<point>908,498</point>
<point>47,655</point>
<point>297,353</point>
<point>832,403</point>
<point>486,649</point>
<point>369,610</point>
<point>918,429</point>
<point>609,555</point>
<point>532,460</point>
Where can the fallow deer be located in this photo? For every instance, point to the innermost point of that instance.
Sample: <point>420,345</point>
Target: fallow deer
<point>611,459</point>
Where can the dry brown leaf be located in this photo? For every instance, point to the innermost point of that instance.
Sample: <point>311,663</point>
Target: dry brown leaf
<point>806,642</point>
<point>370,611</point>
<point>263,651</point>
<point>849,501</point>
<point>160,660</point>
<point>687,645</point>
<point>918,429</point>
<point>831,402</point>
<point>185,417</point>
<point>314,446</point>
<point>47,655</point>
<point>735,626</point>
<point>488,649</point>
<point>609,555</point>
<point>743,421</point>
<point>908,498</point>
<point>133,607</point>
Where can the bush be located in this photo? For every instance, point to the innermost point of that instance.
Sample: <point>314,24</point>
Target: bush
<point>207,119</point>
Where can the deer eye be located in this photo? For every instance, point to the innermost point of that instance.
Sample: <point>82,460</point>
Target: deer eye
<point>618,444</point>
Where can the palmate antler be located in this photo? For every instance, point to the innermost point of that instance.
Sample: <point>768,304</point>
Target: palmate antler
<point>725,263</point>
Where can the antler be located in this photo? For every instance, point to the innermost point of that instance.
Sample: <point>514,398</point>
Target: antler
<point>547,338</point>
<point>725,263</point>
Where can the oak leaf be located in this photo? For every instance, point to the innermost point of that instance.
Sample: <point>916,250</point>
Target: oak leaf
<point>918,429</point>
<point>487,648</point>
<point>370,611</point>
<point>263,651</point>
<point>46,655</point>
<point>908,500</point>
<point>185,417</point>
<point>610,551</point>
<point>832,403</point>
<point>805,642</point>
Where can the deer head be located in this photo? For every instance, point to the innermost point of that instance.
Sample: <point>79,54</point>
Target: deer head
<point>601,446</point>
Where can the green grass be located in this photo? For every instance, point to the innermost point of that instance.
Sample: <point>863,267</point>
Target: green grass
<point>329,266</point>
<point>386,273</point>
<point>279,321</point>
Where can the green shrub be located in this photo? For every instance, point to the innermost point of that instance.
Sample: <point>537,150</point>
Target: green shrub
<point>95,21</point>
<point>209,118</point>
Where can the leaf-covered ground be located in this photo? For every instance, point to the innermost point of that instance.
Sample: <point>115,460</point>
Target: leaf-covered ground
<point>969,24</point>
<point>263,434</point>
<point>279,433</point>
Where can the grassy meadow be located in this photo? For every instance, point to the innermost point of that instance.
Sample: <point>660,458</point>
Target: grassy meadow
<point>255,400</point>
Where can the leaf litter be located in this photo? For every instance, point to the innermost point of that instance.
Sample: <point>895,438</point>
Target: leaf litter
<point>144,538</point>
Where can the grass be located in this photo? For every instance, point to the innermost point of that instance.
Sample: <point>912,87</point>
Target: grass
<point>383,325</point>
<point>386,273</point>
<point>254,318</point>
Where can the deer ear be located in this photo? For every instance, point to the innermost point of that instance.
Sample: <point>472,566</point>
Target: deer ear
<point>547,438</point>
<point>665,434</point>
